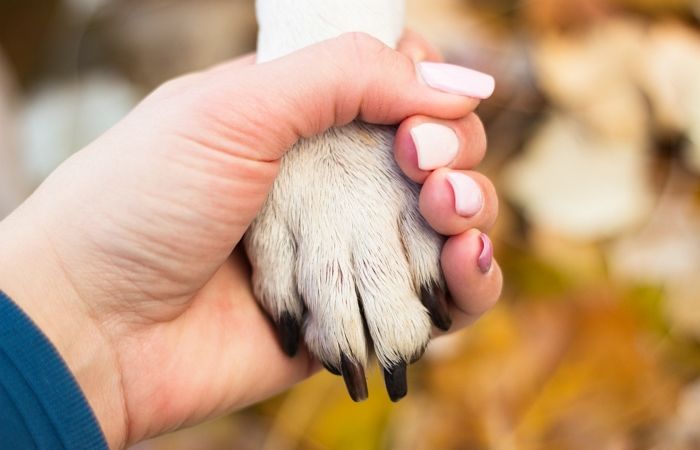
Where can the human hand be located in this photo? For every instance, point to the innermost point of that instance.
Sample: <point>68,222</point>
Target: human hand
<point>123,255</point>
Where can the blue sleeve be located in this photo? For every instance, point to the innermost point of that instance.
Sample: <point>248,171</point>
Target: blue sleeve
<point>41,404</point>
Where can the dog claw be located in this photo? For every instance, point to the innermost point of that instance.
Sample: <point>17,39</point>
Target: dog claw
<point>289,330</point>
<point>354,377</point>
<point>395,380</point>
<point>330,368</point>
<point>434,299</point>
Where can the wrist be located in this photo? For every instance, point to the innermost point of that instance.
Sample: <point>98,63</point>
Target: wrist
<point>32,276</point>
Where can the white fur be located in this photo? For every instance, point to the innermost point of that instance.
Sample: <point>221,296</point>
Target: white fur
<point>340,230</point>
<point>288,25</point>
<point>342,221</point>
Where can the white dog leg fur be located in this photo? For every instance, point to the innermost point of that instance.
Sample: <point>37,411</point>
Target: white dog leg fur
<point>340,248</point>
<point>288,25</point>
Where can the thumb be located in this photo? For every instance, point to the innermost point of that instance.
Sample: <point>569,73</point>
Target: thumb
<point>272,105</point>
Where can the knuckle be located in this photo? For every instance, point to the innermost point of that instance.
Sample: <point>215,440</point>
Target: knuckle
<point>361,46</point>
<point>365,60</point>
<point>363,40</point>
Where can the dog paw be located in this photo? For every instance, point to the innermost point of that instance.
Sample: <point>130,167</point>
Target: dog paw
<point>342,257</point>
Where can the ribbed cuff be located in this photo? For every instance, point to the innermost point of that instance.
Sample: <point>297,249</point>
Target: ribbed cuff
<point>46,408</point>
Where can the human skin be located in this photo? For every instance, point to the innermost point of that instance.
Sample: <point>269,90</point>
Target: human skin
<point>126,255</point>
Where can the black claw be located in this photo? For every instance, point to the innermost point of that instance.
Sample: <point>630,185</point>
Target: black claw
<point>418,354</point>
<point>330,368</point>
<point>395,380</point>
<point>354,376</point>
<point>288,330</point>
<point>434,299</point>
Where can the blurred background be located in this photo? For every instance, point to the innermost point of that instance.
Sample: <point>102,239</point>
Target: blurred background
<point>595,148</point>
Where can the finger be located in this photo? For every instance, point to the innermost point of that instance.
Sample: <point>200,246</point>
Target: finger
<point>453,201</point>
<point>424,144</point>
<point>331,84</point>
<point>416,47</point>
<point>473,277</point>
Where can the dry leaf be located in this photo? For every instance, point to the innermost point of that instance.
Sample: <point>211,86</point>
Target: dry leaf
<point>666,251</point>
<point>572,182</point>
<point>591,76</point>
<point>548,15</point>
<point>671,80</point>
<point>682,431</point>
<point>447,24</point>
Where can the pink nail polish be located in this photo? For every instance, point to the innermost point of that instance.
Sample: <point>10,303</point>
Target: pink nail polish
<point>468,197</point>
<point>457,79</point>
<point>486,256</point>
<point>436,145</point>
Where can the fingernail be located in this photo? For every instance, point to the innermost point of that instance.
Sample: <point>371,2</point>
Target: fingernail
<point>468,197</point>
<point>457,79</point>
<point>486,256</point>
<point>436,145</point>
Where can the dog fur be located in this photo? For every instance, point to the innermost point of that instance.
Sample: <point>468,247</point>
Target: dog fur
<point>340,245</point>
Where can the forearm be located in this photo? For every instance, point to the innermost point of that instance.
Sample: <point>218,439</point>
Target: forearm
<point>31,275</point>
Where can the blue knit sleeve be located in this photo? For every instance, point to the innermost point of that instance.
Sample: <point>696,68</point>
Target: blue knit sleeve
<point>41,404</point>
